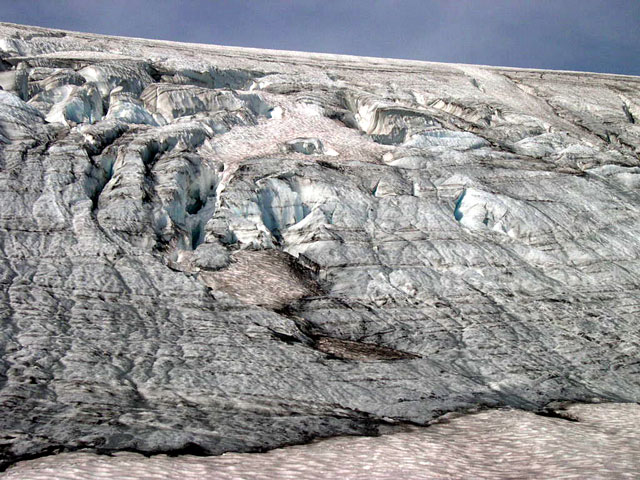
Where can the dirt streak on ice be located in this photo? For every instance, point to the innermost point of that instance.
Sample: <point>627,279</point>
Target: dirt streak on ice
<point>604,443</point>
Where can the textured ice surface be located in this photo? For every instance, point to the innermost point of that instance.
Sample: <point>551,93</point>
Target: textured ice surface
<point>214,249</point>
<point>597,442</point>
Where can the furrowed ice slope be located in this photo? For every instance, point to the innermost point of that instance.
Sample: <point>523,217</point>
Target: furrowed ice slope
<point>217,249</point>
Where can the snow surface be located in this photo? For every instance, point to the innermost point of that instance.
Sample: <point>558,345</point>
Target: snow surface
<point>594,441</point>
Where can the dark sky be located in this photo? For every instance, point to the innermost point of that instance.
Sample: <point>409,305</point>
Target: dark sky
<point>587,35</point>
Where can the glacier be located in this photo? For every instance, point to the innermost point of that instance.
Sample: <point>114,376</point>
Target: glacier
<point>213,249</point>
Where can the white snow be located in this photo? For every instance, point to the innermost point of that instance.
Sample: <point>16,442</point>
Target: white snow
<point>491,444</point>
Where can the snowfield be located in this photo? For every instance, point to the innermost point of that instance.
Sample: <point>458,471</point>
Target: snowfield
<point>592,441</point>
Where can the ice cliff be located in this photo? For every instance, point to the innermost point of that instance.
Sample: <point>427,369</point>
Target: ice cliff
<point>210,249</point>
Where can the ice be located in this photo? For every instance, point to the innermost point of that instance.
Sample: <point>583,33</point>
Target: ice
<point>18,120</point>
<point>173,101</point>
<point>281,207</point>
<point>128,109</point>
<point>131,76</point>
<point>76,105</point>
<point>388,123</point>
<point>445,138</point>
<point>307,146</point>
<point>253,249</point>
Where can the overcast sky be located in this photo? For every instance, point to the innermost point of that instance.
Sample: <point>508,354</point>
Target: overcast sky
<point>587,35</point>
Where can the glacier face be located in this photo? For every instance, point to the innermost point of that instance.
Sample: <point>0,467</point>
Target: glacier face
<point>217,249</point>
